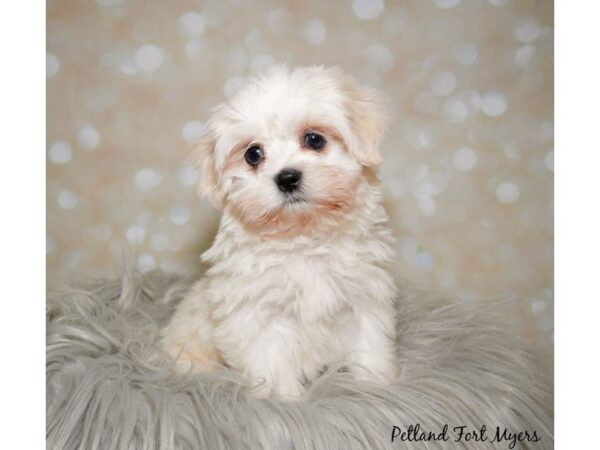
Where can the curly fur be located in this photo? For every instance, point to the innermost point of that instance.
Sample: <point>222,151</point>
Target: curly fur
<point>300,278</point>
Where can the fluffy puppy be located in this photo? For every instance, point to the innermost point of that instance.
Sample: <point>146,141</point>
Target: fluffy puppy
<point>299,275</point>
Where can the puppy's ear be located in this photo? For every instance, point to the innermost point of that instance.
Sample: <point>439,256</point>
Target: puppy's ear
<point>367,118</point>
<point>203,158</point>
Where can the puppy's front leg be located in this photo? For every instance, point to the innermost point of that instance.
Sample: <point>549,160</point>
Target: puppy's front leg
<point>373,355</point>
<point>272,358</point>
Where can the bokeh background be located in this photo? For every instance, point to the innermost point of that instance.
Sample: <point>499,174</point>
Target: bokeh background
<point>468,158</point>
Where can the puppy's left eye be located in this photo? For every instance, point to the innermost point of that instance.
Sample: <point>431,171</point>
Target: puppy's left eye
<point>314,141</point>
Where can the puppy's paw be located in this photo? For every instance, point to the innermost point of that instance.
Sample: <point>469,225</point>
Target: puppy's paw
<point>291,390</point>
<point>286,390</point>
<point>194,358</point>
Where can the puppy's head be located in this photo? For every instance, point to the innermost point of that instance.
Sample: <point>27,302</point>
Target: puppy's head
<point>288,152</point>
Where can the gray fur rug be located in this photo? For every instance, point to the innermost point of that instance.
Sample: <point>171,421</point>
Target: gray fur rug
<point>109,386</point>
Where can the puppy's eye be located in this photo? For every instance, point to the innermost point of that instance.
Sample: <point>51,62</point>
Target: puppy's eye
<point>314,141</point>
<point>254,155</point>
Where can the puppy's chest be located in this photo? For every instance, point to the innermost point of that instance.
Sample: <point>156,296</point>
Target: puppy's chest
<point>304,286</point>
<point>320,287</point>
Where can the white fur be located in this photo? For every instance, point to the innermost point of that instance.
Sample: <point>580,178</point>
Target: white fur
<point>293,288</point>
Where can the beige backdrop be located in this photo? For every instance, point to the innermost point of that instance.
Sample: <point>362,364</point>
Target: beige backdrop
<point>469,156</point>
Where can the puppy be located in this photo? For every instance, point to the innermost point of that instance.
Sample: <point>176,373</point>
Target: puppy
<point>299,277</point>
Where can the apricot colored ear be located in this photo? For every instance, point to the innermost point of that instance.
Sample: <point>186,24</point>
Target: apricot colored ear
<point>203,157</point>
<point>367,119</point>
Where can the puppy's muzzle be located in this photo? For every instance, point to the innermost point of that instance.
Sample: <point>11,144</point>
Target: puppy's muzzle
<point>288,180</point>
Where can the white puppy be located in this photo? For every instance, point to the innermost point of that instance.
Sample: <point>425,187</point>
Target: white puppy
<point>299,274</point>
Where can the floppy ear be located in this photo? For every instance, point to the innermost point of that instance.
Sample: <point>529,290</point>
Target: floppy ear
<point>367,118</point>
<point>203,158</point>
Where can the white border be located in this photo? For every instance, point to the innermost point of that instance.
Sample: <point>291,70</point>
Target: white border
<point>22,90</point>
<point>577,155</point>
<point>23,180</point>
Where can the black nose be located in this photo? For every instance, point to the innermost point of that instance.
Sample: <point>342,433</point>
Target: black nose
<point>288,180</point>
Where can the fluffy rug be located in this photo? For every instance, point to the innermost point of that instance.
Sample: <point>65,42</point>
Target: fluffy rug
<point>109,386</point>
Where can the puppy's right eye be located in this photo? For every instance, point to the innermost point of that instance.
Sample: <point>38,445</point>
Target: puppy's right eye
<point>254,155</point>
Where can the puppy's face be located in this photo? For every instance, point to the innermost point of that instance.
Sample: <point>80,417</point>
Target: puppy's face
<point>287,154</point>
